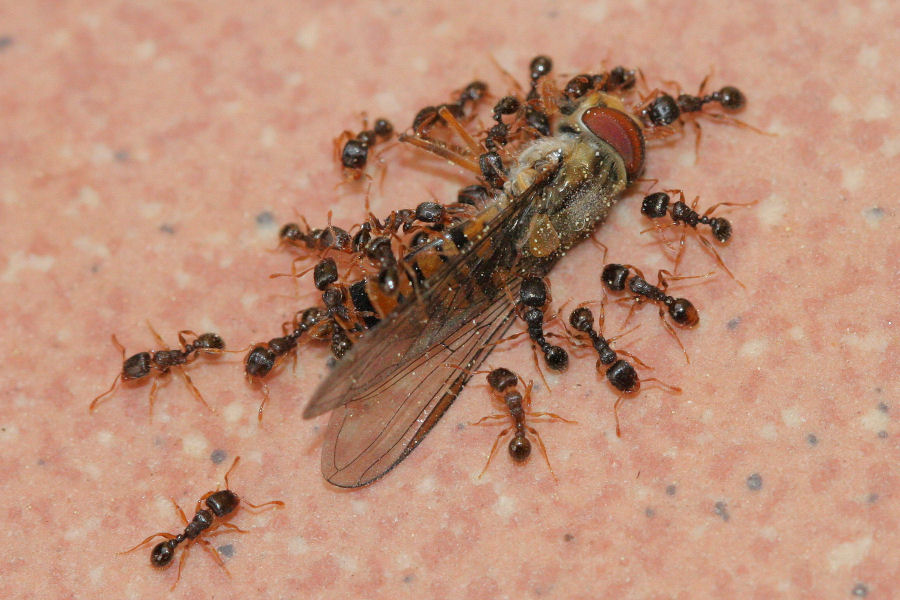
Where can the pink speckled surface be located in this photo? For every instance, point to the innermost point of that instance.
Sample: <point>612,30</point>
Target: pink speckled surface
<point>139,147</point>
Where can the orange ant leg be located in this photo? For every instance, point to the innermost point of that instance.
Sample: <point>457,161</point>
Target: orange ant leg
<point>115,382</point>
<point>473,146</point>
<point>543,448</point>
<point>494,450</point>
<point>439,149</point>
<point>167,536</point>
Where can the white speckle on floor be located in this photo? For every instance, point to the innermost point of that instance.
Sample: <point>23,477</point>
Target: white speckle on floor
<point>768,432</point>
<point>298,545</point>
<point>772,211</point>
<point>840,103</point>
<point>868,57</point>
<point>875,420</point>
<point>195,445</point>
<point>307,36</point>
<point>849,554</point>
<point>877,107</point>
<point>233,412</point>
<point>753,348</point>
<point>91,246</point>
<point>505,506</point>
<point>874,342</point>
<point>105,437</point>
<point>145,50</point>
<point>796,333</point>
<point>426,485</point>
<point>149,210</point>
<point>792,417</point>
<point>268,137</point>
<point>19,261</point>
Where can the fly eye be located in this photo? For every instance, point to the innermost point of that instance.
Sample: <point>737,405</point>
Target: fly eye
<point>619,131</point>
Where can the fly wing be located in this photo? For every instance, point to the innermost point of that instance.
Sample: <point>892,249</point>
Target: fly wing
<point>383,423</point>
<point>397,381</point>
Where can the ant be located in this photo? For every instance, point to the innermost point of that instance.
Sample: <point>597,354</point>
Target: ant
<point>534,299</point>
<point>220,503</point>
<point>355,152</point>
<point>163,361</point>
<point>681,310</point>
<point>504,388</point>
<point>657,206</point>
<point>619,372</point>
<point>265,356</point>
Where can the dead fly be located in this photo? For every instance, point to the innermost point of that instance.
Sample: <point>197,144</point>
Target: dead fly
<point>552,166</point>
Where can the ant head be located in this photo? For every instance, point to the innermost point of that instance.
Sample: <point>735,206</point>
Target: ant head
<point>501,379</point>
<point>210,341</point>
<point>136,366</point>
<point>520,448</point>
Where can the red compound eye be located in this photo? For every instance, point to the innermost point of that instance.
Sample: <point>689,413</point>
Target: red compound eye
<point>619,131</point>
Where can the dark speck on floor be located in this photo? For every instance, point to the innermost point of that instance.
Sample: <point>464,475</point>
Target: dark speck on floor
<point>721,509</point>
<point>226,550</point>
<point>873,498</point>
<point>166,228</point>
<point>265,219</point>
<point>882,434</point>
<point>733,323</point>
<point>569,537</point>
<point>649,512</point>
<point>754,482</point>
<point>860,590</point>
<point>409,578</point>
<point>122,155</point>
<point>671,489</point>
<point>812,439</point>
<point>217,456</point>
<point>883,407</point>
<point>5,42</point>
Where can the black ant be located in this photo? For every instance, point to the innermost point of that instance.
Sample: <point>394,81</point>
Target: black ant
<point>430,116</point>
<point>331,237</point>
<point>221,504</point>
<point>534,299</point>
<point>355,152</point>
<point>657,206</point>
<point>163,361</point>
<point>504,386</point>
<point>682,311</point>
<point>619,372</point>
<point>265,356</point>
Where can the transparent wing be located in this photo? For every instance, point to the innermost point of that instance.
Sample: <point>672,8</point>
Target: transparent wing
<point>396,383</point>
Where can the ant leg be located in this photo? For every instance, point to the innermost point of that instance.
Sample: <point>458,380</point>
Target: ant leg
<point>493,451</point>
<point>275,503</point>
<point>616,414</point>
<point>495,417</point>
<point>662,385</point>
<point>153,387</point>
<point>214,553</point>
<point>553,417</point>
<point>193,389</point>
<point>234,464</point>
<point>108,392</point>
<point>442,151</point>
<point>164,535</point>
<point>184,553</point>
<point>543,448</point>
<point>262,405</point>
<point>473,146</point>
<point>671,330</point>
<point>156,335</point>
